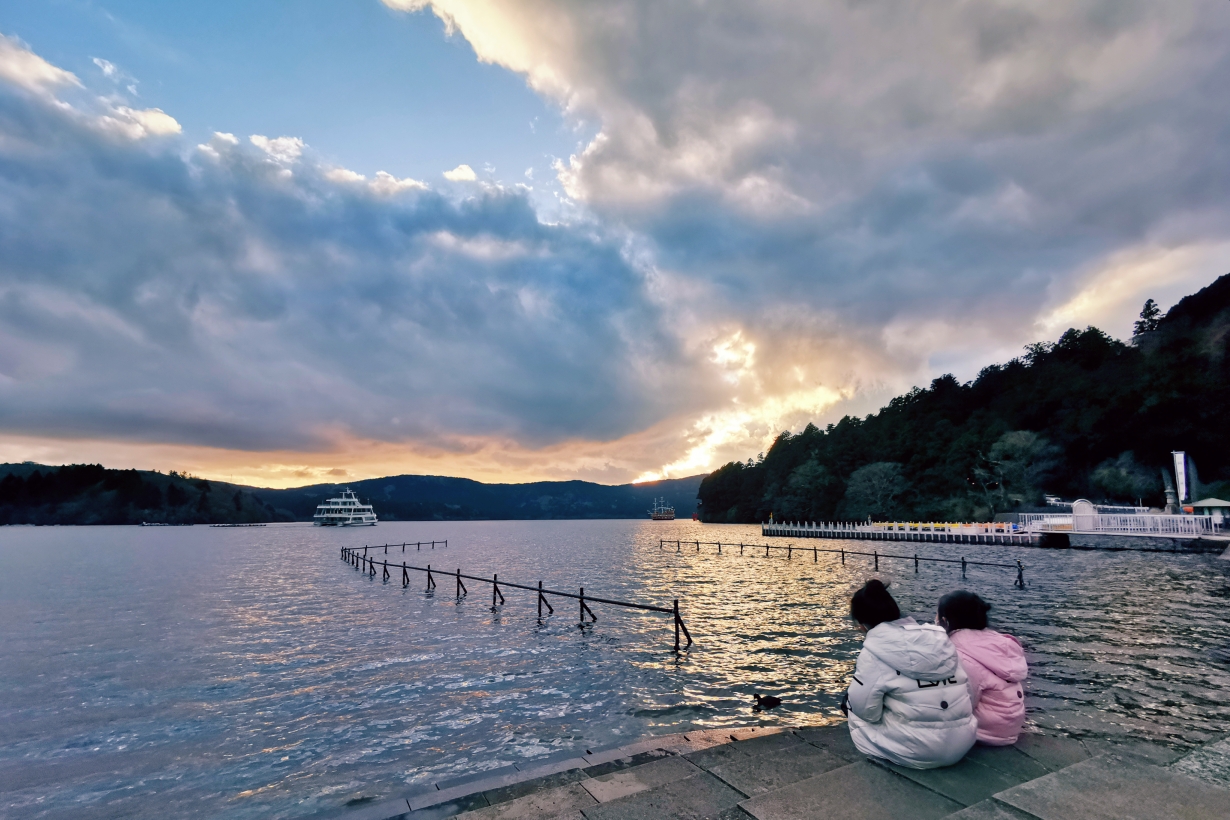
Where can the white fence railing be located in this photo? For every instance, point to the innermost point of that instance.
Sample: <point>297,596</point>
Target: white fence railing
<point>1164,525</point>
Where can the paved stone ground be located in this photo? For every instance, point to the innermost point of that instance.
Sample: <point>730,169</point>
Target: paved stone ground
<point>774,774</point>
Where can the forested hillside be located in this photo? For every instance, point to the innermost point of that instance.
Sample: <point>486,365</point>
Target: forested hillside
<point>1085,416</point>
<point>91,494</point>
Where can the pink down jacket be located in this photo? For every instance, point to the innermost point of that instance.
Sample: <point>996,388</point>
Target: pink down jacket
<point>995,664</point>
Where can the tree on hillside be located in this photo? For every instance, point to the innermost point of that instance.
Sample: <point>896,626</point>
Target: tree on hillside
<point>874,491</point>
<point>1013,473</point>
<point>1150,318</point>
<point>805,493</point>
<point>1123,479</point>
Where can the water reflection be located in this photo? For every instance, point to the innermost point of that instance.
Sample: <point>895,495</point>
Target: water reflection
<point>251,673</point>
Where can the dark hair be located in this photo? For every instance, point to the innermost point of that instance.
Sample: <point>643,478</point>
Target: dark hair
<point>872,605</point>
<point>964,610</point>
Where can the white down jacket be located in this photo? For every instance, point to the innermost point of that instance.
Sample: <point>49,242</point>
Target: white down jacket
<point>909,702</point>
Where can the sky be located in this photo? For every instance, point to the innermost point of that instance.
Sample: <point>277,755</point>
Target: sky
<point>289,242</point>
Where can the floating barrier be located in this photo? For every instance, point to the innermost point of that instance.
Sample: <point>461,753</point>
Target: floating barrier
<point>360,560</point>
<point>876,555</point>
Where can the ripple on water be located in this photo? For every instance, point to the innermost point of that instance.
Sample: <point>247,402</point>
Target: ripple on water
<point>249,673</point>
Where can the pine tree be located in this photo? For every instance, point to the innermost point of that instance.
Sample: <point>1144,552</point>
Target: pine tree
<point>1150,316</point>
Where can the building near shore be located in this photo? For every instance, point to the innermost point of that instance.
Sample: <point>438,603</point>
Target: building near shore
<point>1214,508</point>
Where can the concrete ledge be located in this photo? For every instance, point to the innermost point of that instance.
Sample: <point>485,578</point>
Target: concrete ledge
<point>1118,787</point>
<point>775,774</point>
<point>856,790</point>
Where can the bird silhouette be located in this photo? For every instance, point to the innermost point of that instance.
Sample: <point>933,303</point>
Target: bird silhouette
<point>767,701</point>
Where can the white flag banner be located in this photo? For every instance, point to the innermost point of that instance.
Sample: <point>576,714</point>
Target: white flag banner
<point>1180,474</point>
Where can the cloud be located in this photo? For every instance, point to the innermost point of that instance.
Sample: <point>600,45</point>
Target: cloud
<point>211,300</point>
<point>788,211</point>
<point>910,187</point>
<point>385,184</point>
<point>23,68</point>
<point>285,150</point>
<point>107,68</point>
<point>462,173</point>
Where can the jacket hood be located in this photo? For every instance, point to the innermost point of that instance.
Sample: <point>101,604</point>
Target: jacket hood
<point>999,653</point>
<point>917,651</point>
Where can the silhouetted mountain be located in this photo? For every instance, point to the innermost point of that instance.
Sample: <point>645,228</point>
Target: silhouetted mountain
<point>426,498</point>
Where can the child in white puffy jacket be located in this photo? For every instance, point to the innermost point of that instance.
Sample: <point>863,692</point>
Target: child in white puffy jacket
<point>909,702</point>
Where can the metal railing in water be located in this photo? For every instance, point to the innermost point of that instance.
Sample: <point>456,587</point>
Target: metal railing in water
<point>876,555</point>
<point>418,545</point>
<point>360,560</point>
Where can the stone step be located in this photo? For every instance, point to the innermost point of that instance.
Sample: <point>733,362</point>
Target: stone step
<point>772,773</point>
<point>860,790</point>
<point>551,777</point>
<point>1118,786</point>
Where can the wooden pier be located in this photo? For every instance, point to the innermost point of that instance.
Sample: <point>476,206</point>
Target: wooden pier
<point>938,533</point>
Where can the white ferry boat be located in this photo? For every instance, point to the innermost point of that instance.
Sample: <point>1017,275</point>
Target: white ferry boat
<point>344,512</point>
<point>662,511</point>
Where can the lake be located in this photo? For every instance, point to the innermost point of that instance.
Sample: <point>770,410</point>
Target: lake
<point>203,672</point>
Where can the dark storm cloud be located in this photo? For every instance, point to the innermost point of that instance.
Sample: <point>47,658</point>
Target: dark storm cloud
<point>236,297</point>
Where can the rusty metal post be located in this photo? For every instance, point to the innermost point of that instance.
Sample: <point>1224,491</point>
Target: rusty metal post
<point>843,556</point>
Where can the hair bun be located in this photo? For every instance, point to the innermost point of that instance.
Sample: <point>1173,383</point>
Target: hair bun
<point>873,604</point>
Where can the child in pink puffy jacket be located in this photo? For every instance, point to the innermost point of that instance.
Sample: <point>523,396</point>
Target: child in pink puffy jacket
<point>994,664</point>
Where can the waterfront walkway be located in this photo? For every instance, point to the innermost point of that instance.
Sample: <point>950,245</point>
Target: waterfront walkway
<point>776,774</point>
<point>928,532</point>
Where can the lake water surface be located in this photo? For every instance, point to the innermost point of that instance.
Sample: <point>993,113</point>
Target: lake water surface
<point>200,672</point>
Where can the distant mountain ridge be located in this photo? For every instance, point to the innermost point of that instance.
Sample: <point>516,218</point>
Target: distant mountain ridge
<point>420,498</point>
<point>91,494</point>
